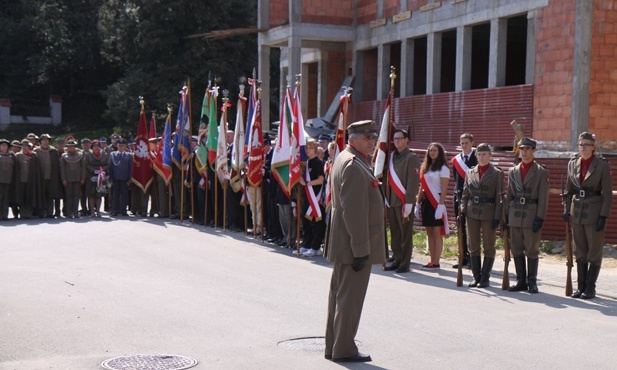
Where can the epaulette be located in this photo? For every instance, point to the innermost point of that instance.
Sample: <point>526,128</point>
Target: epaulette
<point>602,158</point>
<point>541,165</point>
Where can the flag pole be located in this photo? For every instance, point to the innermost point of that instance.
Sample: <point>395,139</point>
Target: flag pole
<point>216,201</point>
<point>386,169</point>
<point>298,218</point>
<point>206,188</point>
<point>246,216</point>
<point>191,156</point>
<point>224,122</point>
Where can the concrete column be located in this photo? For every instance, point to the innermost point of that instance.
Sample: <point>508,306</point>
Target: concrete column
<point>263,15</point>
<point>295,11</point>
<point>407,63</point>
<point>463,58</point>
<point>433,63</point>
<point>263,74</point>
<point>383,71</point>
<point>583,26</point>
<point>304,90</point>
<point>294,48</point>
<point>497,55</point>
<point>358,67</point>
<point>379,9</point>
<point>322,85</point>
<point>530,63</point>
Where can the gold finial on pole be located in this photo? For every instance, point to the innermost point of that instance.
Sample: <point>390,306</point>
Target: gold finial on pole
<point>392,76</point>
<point>242,85</point>
<point>225,96</point>
<point>142,103</point>
<point>298,78</point>
<point>258,89</point>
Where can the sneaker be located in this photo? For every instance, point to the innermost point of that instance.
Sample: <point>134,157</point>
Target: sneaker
<point>318,252</point>
<point>302,251</point>
<point>431,265</point>
<point>309,253</point>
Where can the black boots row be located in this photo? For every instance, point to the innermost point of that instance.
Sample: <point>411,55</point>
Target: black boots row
<point>526,276</point>
<point>587,277</point>
<point>481,272</point>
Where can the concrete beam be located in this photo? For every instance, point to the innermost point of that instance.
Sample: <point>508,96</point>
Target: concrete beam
<point>497,55</point>
<point>530,63</point>
<point>358,67</point>
<point>322,86</point>
<point>263,74</point>
<point>583,27</point>
<point>321,32</point>
<point>263,14</point>
<point>463,58</point>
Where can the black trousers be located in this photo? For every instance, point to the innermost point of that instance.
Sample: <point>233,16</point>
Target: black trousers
<point>121,196</point>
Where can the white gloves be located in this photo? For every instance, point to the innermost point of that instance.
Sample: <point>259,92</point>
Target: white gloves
<point>417,211</point>
<point>407,210</point>
<point>440,211</point>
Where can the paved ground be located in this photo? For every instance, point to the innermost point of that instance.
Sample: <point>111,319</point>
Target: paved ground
<point>73,294</point>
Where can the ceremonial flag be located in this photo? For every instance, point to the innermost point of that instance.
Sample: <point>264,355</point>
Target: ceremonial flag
<point>237,152</point>
<point>222,170</point>
<point>142,165</point>
<point>342,123</point>
<point>163,161</point>
<point>298,141</point>
<point>202,149</point>
<point>251,115</point>
<point>152,133</point>
<point>280,157</point>
<point>384,143</point>
<point>176,152</point>
<point>256,153</point>
<point>212,142</point>
<point>185,123</point>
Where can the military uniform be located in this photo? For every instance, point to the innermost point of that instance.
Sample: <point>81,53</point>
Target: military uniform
<point>470,161</point>
<point>407,168</point>
<point>527,206</point>
<point>7,179</point>
<point>28,195</point>
<point>588,202</point>
<point>50,167</point>
<point>120,172</point>
<point>356,234</point>
<point>73,176</point>
<point>481,207</point>
<point>92,166</point>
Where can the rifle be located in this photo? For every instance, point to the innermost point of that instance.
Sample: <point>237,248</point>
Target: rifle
<point>569,259</point>
<point>505,235</point>
<point>461,252</point>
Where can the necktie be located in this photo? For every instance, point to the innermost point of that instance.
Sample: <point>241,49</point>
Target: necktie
<point>466,159</point>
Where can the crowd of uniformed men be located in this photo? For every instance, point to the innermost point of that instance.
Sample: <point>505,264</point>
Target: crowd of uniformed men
<point>38,180</point>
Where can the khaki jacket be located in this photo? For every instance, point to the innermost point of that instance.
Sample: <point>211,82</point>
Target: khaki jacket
<point>535,191</point>
<point>357,226</point>
<point>586,207</point>
<point>481,198</point>
<point>71,168</point>
<point>407,167</point>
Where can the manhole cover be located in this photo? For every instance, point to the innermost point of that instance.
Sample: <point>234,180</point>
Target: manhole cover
<point>149,362</point>
<point>313,344</point>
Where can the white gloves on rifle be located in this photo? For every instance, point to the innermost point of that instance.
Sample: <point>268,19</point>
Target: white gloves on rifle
<point>407,210</point>
<point>440,211</point>
<point>417,211</point>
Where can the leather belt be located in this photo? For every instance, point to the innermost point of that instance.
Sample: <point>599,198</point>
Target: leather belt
<point>522,200</point>
<point>582,193</point>
<point>478,200</point>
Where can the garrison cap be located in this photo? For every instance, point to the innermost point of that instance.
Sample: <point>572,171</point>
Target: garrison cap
<point>527,141</point>
<point>363,127</point>
<point>5,141</point>
<point>587,136</point>
<point>484,147</point>
<point>15,143</point>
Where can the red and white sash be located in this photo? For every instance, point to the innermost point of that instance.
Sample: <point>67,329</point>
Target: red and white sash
<point>460,166</point>
<point>314,211</point>
<point>396,185</point>
<point>432,194</point>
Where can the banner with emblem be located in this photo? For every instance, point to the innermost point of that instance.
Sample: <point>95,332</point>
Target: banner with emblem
<point>163,162</point>
<point>142,164</point>
<point>282,151</point>
<point>297,154</point>
<point>384,143</point>
<point>256,153</point>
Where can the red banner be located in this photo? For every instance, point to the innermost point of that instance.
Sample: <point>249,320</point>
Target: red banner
<point>256,153</point>
<point>142,164</point>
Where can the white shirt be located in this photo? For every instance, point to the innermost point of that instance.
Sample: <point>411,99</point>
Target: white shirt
<point>433,178</point>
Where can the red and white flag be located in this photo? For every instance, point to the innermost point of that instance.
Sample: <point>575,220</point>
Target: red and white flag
<point>384,143</point>
<point>142,165</point>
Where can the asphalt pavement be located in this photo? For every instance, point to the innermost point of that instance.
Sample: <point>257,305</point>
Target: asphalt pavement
<point>75,293</point>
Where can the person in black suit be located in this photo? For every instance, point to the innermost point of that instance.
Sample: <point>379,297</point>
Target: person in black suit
<point>461,163</point>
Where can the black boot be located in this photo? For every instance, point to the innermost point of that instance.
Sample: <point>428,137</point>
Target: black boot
<point>475,262</point>
<point>581,269</point>
<point>532,274</point>
<point>592,277</point>
<point>521,275</point>
<point>487,267</point>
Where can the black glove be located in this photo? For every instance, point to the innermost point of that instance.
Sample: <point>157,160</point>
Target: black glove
<point>460,219</point>
<point>565,216</point>
<point>601,223</point>
<point>537,224</point>
<point>359,263</point>
<point>495,224</point>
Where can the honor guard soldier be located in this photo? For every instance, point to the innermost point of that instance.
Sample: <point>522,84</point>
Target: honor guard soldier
<point>527,205</point>
<point>7,172</point>
<point>73,177</point>
<point>355,242</point>
<point>120,172</point>
<point>28,184</point>
<point>462,162</point>
<point>403,191</point>
<point>588,201</point>
<point>50,167</point>
<point>481,206</point>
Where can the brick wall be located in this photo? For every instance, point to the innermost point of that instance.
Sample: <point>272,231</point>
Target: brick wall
<point>336,74</point>
<point>335,12</point>
<point>367,11</point>
<point>554,71</point>
<point>279,12</point>
<point>391,7</point>
<point>603,84</point>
